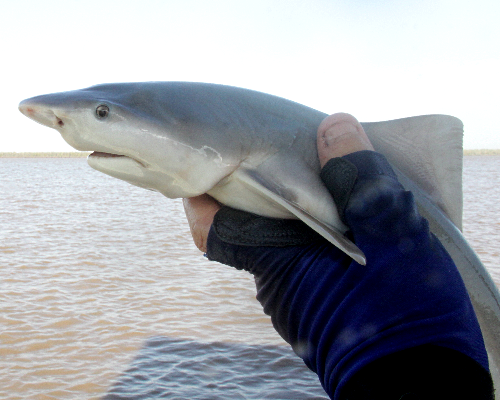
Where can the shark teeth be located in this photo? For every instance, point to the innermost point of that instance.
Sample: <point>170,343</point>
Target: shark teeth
<point>101,154</point>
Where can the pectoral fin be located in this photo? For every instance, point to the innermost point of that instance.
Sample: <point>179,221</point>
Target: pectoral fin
<point>274,192</point>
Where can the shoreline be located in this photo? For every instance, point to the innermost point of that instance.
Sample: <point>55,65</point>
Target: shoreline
<point>46,154</point>
<point>482,152</point>
<point>82,154</point>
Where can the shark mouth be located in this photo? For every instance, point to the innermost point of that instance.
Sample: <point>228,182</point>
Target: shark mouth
<point>100,154</point>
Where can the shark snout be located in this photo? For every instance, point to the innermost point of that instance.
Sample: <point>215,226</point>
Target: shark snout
<point>41,114</point>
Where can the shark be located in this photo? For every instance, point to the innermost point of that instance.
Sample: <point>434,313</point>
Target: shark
<point>257,152</point>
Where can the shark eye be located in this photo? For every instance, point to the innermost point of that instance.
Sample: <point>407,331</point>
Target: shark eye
<point>102,111</point>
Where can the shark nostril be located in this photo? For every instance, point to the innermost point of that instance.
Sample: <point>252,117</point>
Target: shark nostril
<point>60,121</point>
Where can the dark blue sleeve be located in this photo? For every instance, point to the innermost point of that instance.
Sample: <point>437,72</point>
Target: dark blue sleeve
<point>340,316</point>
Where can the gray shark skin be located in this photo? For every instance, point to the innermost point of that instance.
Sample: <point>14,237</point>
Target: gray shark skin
<point>257,152</point>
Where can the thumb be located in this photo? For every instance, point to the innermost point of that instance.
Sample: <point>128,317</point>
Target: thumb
<point>340,134</point>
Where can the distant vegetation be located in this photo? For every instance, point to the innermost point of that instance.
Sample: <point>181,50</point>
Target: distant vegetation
<point>482,152</point>
<point>69,154</point>
<point>81,154</point>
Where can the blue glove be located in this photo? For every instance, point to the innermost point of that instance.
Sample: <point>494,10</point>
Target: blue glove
<point>401,325</point>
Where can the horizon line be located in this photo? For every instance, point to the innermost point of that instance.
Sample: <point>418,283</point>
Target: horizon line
<point>82,154</point>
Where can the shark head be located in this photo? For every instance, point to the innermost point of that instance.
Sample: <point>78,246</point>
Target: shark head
<point>134,136</point>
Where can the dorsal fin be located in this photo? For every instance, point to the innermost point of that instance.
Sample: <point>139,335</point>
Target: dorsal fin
<point>427,149</point>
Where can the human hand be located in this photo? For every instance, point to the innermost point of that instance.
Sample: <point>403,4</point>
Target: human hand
<point>200,212</point>
<point>338,134</point>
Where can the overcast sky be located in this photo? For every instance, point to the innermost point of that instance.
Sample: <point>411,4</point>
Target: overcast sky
<point>377,60</point>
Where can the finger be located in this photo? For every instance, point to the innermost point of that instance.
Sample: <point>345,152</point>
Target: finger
<point>340,134</point>
<point>200,212</point>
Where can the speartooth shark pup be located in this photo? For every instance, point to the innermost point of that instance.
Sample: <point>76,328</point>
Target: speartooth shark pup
<point>257,152</point>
